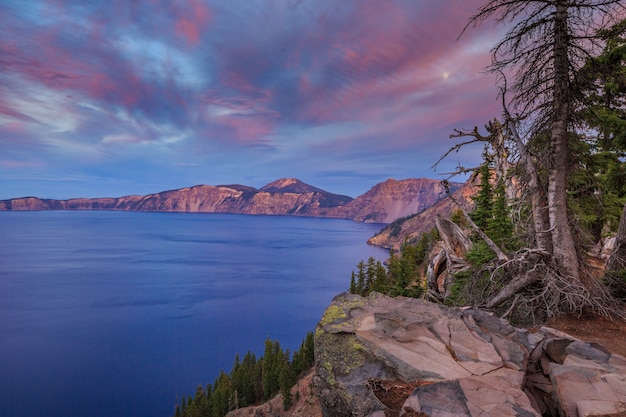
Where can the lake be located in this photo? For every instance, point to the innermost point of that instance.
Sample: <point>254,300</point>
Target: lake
<point>119,314</point>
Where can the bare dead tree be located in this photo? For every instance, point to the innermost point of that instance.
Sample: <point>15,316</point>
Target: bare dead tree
<point>548,43</point>
<point>538,199</point>
<point>543,53</point>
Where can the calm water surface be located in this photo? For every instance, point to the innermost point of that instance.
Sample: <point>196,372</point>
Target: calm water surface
<point>119,314</point>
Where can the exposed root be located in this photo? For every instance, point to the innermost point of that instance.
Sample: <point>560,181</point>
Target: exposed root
<point>529,288</point>
<point>540,291</point>
<point>557,294</point>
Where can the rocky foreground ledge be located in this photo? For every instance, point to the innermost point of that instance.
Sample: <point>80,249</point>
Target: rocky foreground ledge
<point>455,362</point>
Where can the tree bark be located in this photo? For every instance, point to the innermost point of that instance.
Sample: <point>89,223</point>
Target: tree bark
<point>564,247</point>
<point>541,222</point>
<point>512,288</point>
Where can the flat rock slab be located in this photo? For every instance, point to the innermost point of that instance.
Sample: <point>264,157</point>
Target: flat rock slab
<point>468,362</point>
<point>588,390</point>
<point>474,359</point>
<point>473,397</point>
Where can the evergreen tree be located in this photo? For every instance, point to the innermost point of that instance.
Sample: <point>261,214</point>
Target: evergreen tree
<point>500,226</point>
<point>286,380</point>
<point>380,278</point>
<point>545,49</point>
<point>482,213</point>
<point>222,395</point>
<point>272,364</point>
<point>361,286</point>
<point>250,381</point>
<point>353,287</point>
<point>370,274</point>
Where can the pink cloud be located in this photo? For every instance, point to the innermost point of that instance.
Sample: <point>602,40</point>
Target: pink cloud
<point>194,20</point>
<point>241,110</point>
<point>247,129</point>
<point>19,164</point>
<point>122,138</point>
<point>387,52</point>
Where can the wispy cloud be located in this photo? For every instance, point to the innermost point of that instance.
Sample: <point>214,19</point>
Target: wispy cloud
<point>274,88</point>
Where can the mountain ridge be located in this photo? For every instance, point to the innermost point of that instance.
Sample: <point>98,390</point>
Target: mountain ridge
<point>383,203</point>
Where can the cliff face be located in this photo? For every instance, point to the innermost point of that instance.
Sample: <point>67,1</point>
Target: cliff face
<point>287,196</point>
<point>394,235</point>
<point>393,199</point>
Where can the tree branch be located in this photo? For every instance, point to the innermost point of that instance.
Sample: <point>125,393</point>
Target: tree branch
<point>495,248</point>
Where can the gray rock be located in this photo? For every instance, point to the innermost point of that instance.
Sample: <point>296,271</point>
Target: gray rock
<point>474,364</point>
<point>444,399</point>
<point>407,339</point>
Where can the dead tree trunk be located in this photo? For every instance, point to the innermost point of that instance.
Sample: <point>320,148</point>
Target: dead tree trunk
<point>512,288</point>
<point>564,246</point>
<point>541,222</point>
<point>449,260</point>
<point>492,245</point>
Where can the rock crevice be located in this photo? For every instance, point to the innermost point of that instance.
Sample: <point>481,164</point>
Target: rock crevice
<point>462,362</point>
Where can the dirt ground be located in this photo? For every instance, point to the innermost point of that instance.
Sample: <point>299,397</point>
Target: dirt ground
<point>591,328</point>
<point>393,394</point>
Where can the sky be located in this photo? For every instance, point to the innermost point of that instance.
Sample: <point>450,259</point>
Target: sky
<point>105,98</point>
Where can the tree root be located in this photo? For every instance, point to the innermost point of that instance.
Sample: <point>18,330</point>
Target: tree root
<point>541,291</point>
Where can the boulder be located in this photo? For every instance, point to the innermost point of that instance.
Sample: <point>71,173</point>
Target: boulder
<point>472,361</point>
<point>585,378</point>
<point>455,362</point>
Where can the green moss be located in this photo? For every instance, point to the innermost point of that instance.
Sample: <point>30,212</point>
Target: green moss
<point>332,314</point>
<point>339,354</point>
<point>357,303</point>
<point>329,369</point>
<point>357,346</point>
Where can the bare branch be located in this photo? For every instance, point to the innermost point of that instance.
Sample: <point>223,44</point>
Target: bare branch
<point>495,248</point>
<point>457,147</point>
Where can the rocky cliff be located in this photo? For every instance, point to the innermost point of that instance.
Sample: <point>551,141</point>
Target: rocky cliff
<point>380,357</point>
<point>287,196</point>
<point>410,228</point>
<point>394,199</point>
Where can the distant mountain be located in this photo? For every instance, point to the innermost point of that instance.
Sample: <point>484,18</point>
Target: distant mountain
<point>295,186</point>
<point>287,196</point>
<point>291,185</point>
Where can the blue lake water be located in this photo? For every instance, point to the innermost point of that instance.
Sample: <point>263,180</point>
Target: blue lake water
<point>118,314</point>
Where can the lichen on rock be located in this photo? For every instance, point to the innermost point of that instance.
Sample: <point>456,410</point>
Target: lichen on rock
<point>466,361</point>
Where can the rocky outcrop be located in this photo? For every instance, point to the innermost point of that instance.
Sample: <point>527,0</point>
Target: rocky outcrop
<point>304,404</point>
<point>457,362</point>
<point>573,378</point>
<point>409,229</point>
<point>287,196</point>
